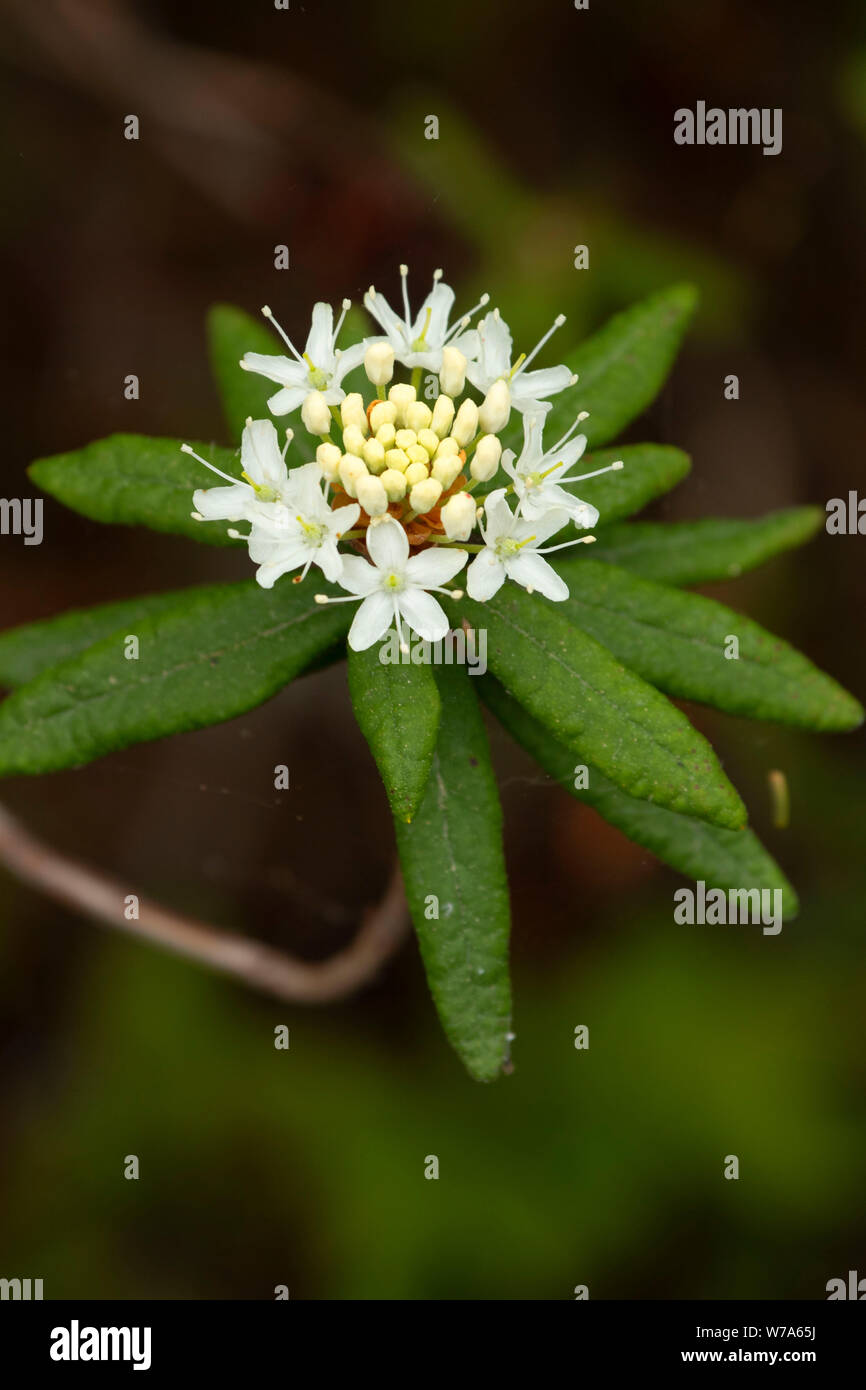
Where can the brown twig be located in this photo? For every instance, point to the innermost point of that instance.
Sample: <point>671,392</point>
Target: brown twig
<point>383,928</point>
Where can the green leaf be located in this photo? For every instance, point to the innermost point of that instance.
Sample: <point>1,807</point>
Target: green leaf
<point>231,332</point>
<point>622,368</point>
<point>722,858</point>
<point>695,552</point>
<point>677,641</point>
<point>227,650</point>
<point>28,650</point>
<point>132,480</point>
<point>397,708</point>
<point>600,711</point>
<point>452,854</point>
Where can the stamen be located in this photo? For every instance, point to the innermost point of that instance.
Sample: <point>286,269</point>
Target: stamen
<point>465,321</point>
<point>611,468</point>
<point>583,415</point>
<point>403,644</point>
<point>326,598</point>
<point>347,304</point>
<point>187,449</point>
<point>581,540</point>
<point>266,310</point>
<point>557,323</point>
<point>404,275</point>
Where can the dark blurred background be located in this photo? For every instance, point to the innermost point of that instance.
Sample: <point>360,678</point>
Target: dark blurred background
<point>305,1168</point>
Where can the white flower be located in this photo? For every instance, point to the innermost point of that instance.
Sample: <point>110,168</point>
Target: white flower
<point>321,366</point>
<point>264,468</point>
<point>419,342</point>
<point>303,533</point>
<point>538,476</point>
<point>493,363</point>
<point>511,552</point>
<point>394,587</point>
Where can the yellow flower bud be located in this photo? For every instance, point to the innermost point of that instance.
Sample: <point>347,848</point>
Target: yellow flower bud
<point>353,412</point>
<point>353,440</point>
<point>383,413</point>
<point>372,496</point>
<point>328,458</point>
<point>396,458</point>
<point>394,483</point>
<point>452,374</point>
<point>416,473</point>
<point>465,425</point>
<point>495,408</point>
<point>386,434</point>
<point>351,472</point>
<point>429,440</point>
<point>425,495</point>
<point>373,455</point>
<point>315,413</point>
<point>443,416</point>
<point>418,416</point>
<point>446,470</point>
<point>416,454</point>
<point>458,517</point>
<point>379,363</point>
<point>401,396</point>
<point>485,460</point>
<point>405,438</point>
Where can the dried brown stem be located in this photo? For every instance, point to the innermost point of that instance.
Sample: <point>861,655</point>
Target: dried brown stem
<point>383,928</point>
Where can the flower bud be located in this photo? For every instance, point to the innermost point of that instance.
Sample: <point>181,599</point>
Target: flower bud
<point>401,396</point>
<point>448,446</point>
<point>315,413</point>
<point>425,495</point>
<point>396,458</point>
<point>394,483</point>
<point>485,460</point>
<point>328,458</point>
<point>416,454</point>
<point>373,455</point>
<point>465,425</point>
<point>351,472</point>
<point>386,435</point>
<point>458,517</point>
<point>353,440</point>
<point>446,470</point>
<point>416,473</point>
<point>495,408</point>
<point>379,363</point>
<point>372,496</point>
<point>443,415</point>
<point>452,373</point>
<point>405,438</point>
<point>353,411</point>
<point>418,416</point>
<point>428,440</point>
<point>383,413</point>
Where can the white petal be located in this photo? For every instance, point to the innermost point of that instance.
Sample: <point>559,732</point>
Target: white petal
<point>288,399</point>
<point>495,337</point>
<point>260,454</point>
<point>371,621</point>
<point>359,577</point>
<point>384,315</point>
<point>439,301</point>
<point>329,560</point>
<point>343,518</point>
<point>388,545</point>
<point>533,572</point>
<point>485,576</point>
<point>423,614</point>
<point>435,566</point>
<point>528,388</point>
<point>347,361</point>
<point>320,343</point>
<point>283,370</point>
<point>223,503</point>
<point>498,516</point>
<point>289,558</point>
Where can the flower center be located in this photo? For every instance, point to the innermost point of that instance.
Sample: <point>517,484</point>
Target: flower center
<point>420,342</point>
<point>507,546</point>
<point>394,582</point>
<point>313,530</point>
<point>317,378</point>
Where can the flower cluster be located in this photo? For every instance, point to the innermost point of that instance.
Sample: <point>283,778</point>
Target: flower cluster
<point>388,506</point>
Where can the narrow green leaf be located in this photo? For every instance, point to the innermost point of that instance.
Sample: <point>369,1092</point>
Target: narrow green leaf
<point>678,641</point>
<point>722,858</point>
<point>28,650</point>
<point>223,653</point>
<point>695,552</point>
<point>132,480</point>
<point>453,866</point>
<point>600,710</point>
<point>397,708</point>
<point>231,332</point>
<point>622,367</point>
